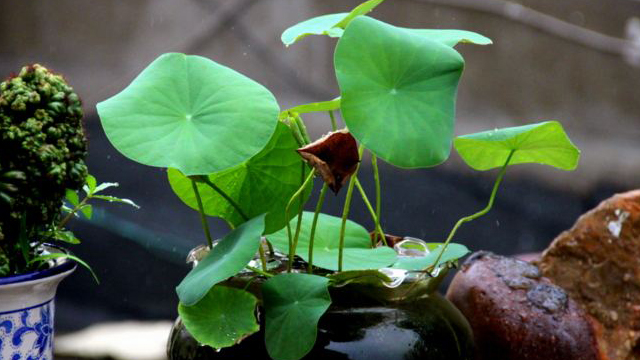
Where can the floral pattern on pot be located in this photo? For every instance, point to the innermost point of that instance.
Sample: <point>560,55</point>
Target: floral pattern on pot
<point>27,334</point>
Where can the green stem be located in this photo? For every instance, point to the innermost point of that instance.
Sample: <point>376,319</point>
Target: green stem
<point>263,258</point>
<point>297,194</point>
<point>258,271</point>
<point>334,125</point>
<point>323,192</point>
<point>73,212</point>
<point>203,217</point>
<point>376,178</point>
<point>303,129</point>
<point>345,211</point>
<point>480,213</point>
<point>295,130</point>
<point>378,229</point>
<point>226,197</point>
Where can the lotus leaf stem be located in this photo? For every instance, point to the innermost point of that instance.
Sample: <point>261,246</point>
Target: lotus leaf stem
<point>374,216</point>
<point>292,242</point>
<point>345,211</point>
<point>323,192</point>
<point>334,125</point>
<point>480,213</point>
<point>203,217</point>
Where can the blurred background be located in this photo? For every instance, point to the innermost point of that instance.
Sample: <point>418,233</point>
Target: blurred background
<point>577,61</point>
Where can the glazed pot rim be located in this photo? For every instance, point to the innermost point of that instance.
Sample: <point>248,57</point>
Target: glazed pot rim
<point>65,265</point>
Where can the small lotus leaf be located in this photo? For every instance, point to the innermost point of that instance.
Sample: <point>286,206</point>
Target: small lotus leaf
<point>190,113</point>
<point>321,25</point>
<point>398,92</point>
<point>543,143</point>
<point>263,184</point>
<point>293,304</point>
<point>228,256</point>
<point>223,317</point>
<point>358,254</point>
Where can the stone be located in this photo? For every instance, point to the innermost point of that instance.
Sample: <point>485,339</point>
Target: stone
<point>597,262</point>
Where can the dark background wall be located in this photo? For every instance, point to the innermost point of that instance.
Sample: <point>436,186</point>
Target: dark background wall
<point>577,66</point>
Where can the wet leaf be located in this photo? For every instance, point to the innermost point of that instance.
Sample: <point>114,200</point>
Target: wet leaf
<point>293,305</point>
<point>542,143</point>
<point>334,156</point>
<point>228,257</point>
<point>222,317</point>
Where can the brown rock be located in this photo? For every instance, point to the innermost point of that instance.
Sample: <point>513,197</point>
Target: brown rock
<point>516,314</point>
<point>597,262</point>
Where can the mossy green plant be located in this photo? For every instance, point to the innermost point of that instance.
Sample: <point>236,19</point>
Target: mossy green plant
<point>43,146</point>
<point>42,162</point>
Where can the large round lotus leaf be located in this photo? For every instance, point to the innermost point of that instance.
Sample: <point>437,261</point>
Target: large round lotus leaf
<point>190,113</point>
<point>358,254</point>
<point>398,92</point>
<point>541,143</point>
<point>264,184</point>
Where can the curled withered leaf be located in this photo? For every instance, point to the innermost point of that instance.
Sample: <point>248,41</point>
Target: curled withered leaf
<point>334,156</point>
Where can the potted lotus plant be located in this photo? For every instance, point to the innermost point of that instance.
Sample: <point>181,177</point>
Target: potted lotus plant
<point>42,154</point>
<point>285,283</point>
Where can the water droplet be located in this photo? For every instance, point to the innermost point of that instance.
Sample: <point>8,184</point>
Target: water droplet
<point>411,247</point>
<point>397,276</point>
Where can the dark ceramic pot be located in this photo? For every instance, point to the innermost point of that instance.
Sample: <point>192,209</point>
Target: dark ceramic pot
<point>364,322</point>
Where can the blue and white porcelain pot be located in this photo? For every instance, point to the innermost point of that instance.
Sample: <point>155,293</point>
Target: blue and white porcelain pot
<point>27,311</point>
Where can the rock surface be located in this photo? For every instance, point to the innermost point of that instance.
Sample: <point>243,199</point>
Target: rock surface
<point>517,314</point>
<point>597,262</point>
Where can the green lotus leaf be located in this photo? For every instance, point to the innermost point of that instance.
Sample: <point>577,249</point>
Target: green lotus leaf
<point>321,25</point>
<point>264,184</point>
<point>222,317</point>
<point>293,304</point>
<point>357,254</point>
<point>190,113</point>
<point>227,258</point>
<point>452,37</point>
<point>542,143</point>
<point>398,92</point>
<point>316,106</point>
<point>451,253</point>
